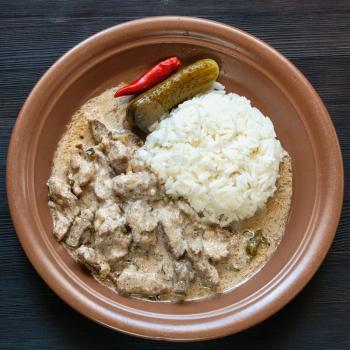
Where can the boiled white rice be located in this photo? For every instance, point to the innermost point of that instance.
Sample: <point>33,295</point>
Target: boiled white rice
<point>218,154</point>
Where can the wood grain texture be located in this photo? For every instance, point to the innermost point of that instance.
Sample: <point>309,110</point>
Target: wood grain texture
<point>314,35</point>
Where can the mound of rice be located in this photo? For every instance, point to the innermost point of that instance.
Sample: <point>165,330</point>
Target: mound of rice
<point>217,154</point>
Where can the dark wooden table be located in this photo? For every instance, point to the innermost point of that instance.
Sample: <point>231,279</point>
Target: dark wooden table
<point>314,35</point>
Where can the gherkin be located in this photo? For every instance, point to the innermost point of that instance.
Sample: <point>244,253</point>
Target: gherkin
<point>147,108</point>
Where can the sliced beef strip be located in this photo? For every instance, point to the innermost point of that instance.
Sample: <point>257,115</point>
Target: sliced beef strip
<point>80,224</point>
<point>132,281</point>
<point>128,138</point>
<point>61,219</point>
<point>170,225</point>
<point>99,130</point>
<point>183,276</point>
<point>114,245</point>
<point>118,154</point>
<point>208,271</point>
<point>93,260</point>
<point>196,253</point>
<point>216,244</point>
<point>141,220</point>
<point>120,145</point>
<point>144,240</point>
<point>103,178</point>
<point>121,150</point>
<point>81,171</point>
<point>111,237</point>
<point>109,218</point>
<point>63,206</point>
<point>60,192</point>
<point>133,186</point>
<point>195,244</point>
<point>166,268</point>
<point>86,237</point>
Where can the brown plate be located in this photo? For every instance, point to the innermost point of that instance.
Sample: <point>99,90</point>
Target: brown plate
<point>248,67</point>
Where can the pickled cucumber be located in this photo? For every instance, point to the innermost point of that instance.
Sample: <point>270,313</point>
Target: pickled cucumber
<point>148,107</point>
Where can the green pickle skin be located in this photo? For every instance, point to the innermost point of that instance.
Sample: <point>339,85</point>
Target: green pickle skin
<point>147,108</point>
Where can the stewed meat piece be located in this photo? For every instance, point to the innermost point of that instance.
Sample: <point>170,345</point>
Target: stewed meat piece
<point>108,218</point>
<point>216,244</point>
<point>133,186</point>
<point>93,260</point>
<point>118,154</point>
<point>121,149</point>
<point>196,253</point>
<point>62,204</point>
<point>207,270</point>
<point>99,130</point>
<point>80,224</point>
<point>103,178</point>
<point>61,220</point>
<point>111,237</point>
<point>60,192</point>
<point>81,172</point>
<point>114,245</point>
<point>170,225</point>
<point>133,281</point>
<point>184,274</point>
<point>142,221</point>
<point>120,145</point>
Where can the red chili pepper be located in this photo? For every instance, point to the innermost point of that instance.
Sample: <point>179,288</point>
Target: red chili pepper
<point>152,77</point>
